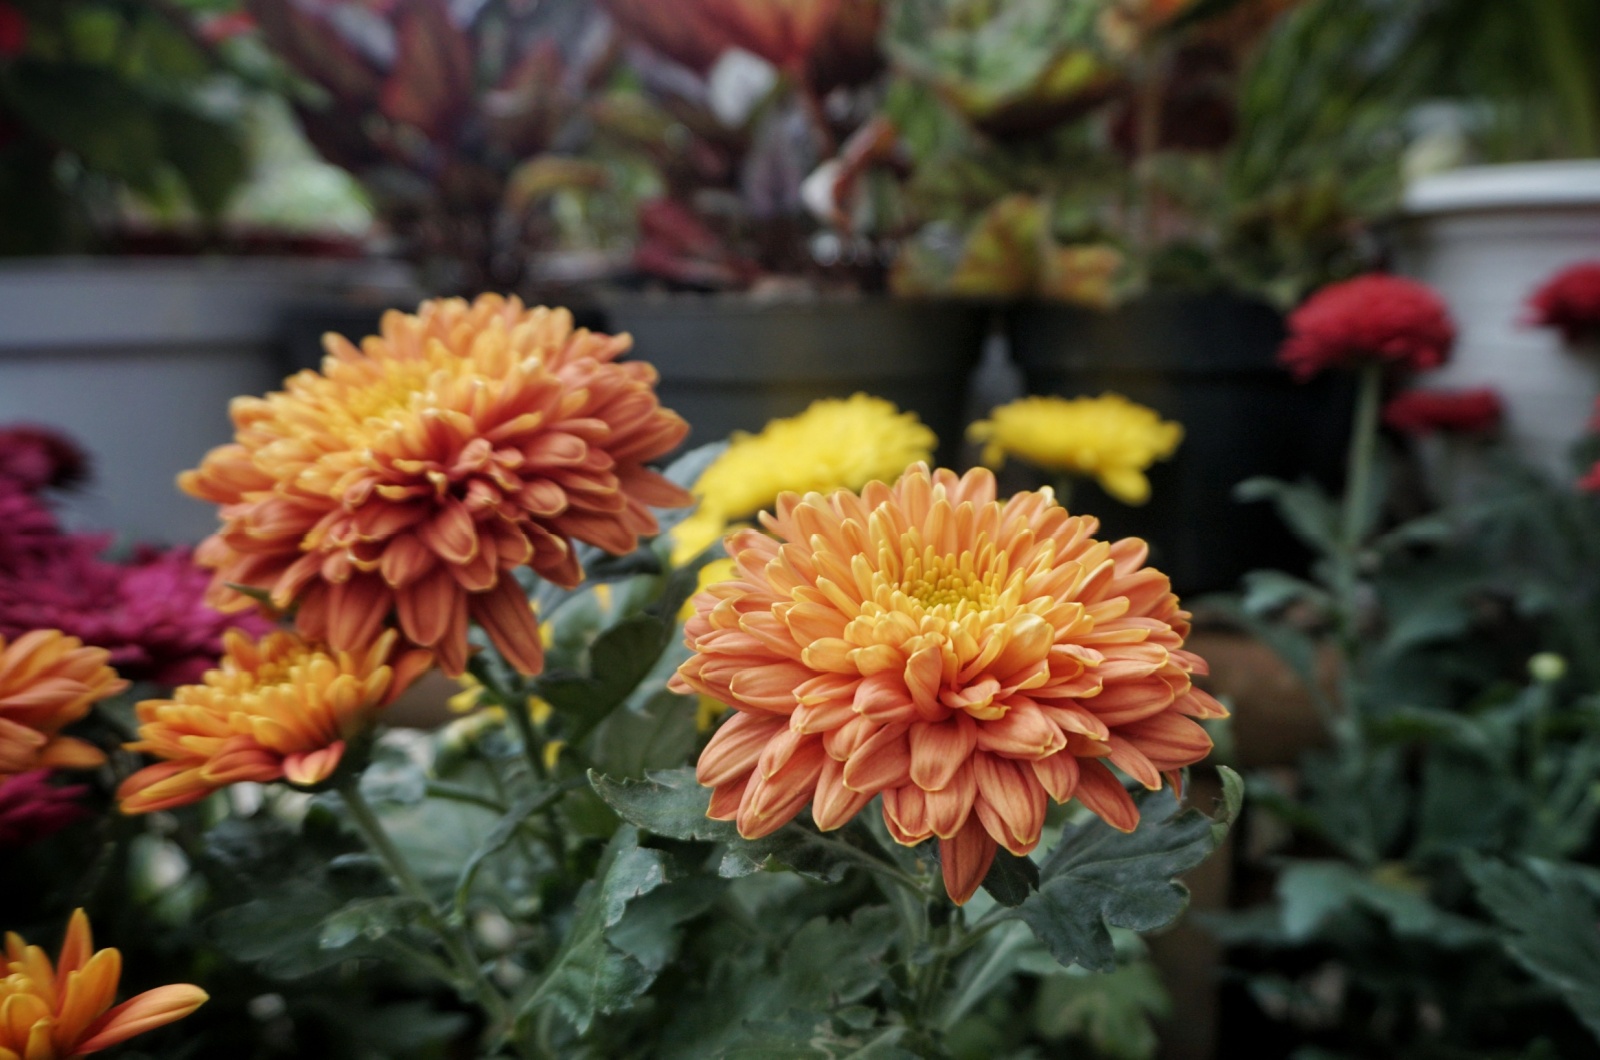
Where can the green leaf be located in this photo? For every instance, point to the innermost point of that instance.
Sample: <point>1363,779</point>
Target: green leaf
<point>657,735</point>
<point>619,659</point>
<point>1313,892</point>
<point>370,919</point>
<point>671,803</point>
<point>1011,879</point>
<point>590,976</point>
<point>805,1036</point>
<point>92,113</point>
<point>504,830</point>
<point>1112,1013</point>
<point>1548,917</point>
<point>207,155</point>
<point>1098,878</point>
<point>1303,507</point>
<point>280,933</point>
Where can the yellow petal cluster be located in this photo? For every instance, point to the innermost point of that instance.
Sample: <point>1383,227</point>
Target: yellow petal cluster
<point>63,1009</point>
<point>836,443</point>
<point>1108,438</point>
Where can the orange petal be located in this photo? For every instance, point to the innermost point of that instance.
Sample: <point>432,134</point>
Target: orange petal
<point>69,752</point>
<point>939,749</point>
<point>1103,794</point>
<point>85,994</point>
<point>1058,775</point>
<point>769,803</point>
<point>151,1009</point>
<point>78,945</point>
<point>964,859</point>
<point>356,612</point>
<point>504,614</point>
<point>313,767</point>
<point>949,806</point>
<point>834,803</point>
<point>734,748</point>
<point>882,761</point>
<point>1010,802</point>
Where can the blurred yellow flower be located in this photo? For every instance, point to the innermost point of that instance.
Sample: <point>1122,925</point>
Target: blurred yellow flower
<point>1108,438</point>
<point>836,443</point>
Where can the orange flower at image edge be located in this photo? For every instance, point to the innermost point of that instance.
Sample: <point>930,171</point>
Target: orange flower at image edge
<point>403,483</point>
<point>967,658</point>
<point>49,680</point>
<point>64,1011</point>
<point>280,709</point>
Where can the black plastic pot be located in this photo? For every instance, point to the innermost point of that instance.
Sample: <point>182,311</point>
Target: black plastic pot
<point>732,363</point>
<point>1205,360</point>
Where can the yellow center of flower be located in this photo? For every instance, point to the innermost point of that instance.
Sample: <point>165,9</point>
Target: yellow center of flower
<point>951,582</point>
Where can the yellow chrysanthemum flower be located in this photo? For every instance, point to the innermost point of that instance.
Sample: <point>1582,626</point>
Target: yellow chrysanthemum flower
<point>1108,438</point>
<point>836,443</point>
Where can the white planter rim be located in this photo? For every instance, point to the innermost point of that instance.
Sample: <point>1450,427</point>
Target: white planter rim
<point>1522,185</point>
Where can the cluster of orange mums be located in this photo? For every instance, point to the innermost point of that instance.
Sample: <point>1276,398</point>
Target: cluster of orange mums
<point>968,659</point>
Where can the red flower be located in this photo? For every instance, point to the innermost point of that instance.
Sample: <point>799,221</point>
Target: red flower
<point>31,808</point>
<point>13,31</point>
<point>37,458</point>
<point>149,614</point>
<point>1457,411</point>
<point>1569,300</point>
<point>1590,483</point>
<point>1370,317</point>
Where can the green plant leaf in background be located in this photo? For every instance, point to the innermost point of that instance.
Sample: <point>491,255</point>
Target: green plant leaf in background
<point>1548,914</point>
<point>1097,878</point>
<point>590,975</point>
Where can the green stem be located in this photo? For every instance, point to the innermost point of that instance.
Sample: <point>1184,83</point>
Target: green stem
<point>468,972</point>
<point>514,701</point>
<point>1357,503</point>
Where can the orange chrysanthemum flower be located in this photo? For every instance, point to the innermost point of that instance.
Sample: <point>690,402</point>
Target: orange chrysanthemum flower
<point>49,680</point>
<point>277,709</point>
<point>63,1011</point>
<point>966,658</point>
<point>404,482</point>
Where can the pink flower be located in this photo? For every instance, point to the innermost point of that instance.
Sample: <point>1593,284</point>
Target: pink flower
<point>1372,317</point>
<point>28,530</point>
<point>149,614</point>
<point>1570,301</point>
<point>1455,411</point>
<point>31,808</point>
<point>36,458</point>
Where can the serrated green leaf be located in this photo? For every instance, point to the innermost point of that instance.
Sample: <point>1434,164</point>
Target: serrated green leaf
<point>671,803</point>
<point>370,919</point>
<point>1304,508</point>
<point>1312,892</point>
<point>1097,878</point>
<point>1011,878</point>
<point>590,976</point>
<point>1548,919</point>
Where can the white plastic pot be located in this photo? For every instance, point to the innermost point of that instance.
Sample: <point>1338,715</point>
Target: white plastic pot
<point>137,360</point>
<point>1485,237</point>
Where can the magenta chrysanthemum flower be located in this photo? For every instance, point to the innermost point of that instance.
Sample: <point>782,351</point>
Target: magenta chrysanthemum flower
<point>150,614</point>
<point>32,808</point>
<point>1374,317</point>
<point>37,458</point>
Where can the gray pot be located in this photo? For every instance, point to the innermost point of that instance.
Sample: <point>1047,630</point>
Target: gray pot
<point>137,359</point>
<point>1208,361</point>
<point>733,363</point>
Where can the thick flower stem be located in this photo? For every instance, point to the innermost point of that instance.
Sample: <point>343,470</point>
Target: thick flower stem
<point>468,972</point>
